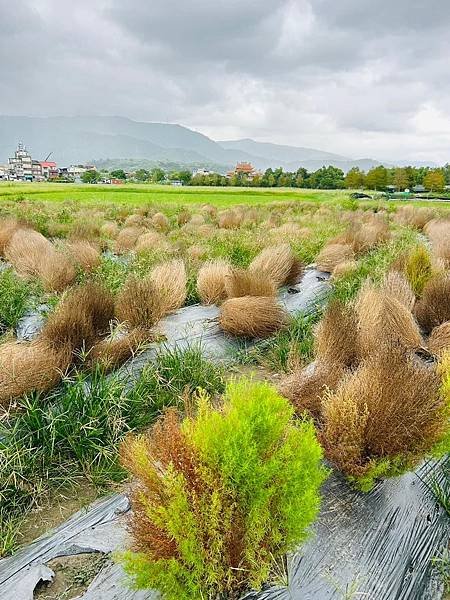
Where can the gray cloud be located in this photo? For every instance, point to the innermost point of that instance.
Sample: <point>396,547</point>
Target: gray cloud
<point>356,77</point>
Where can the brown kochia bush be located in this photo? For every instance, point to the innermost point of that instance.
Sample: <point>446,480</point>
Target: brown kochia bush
<point>397,286</point>
<point>8,228</point>
<point>433,308</point>
<point>382,318</point>
<point>112,352</point>
<point>137,303</point>
<point>211,281</point>
<point>336,350</point>
<point>160,222</point>
<point>32,254</point>
<point>368,235</point>
<point>242,282</point>
<point>84,254</point>
<point>384,417</point>
<point>439,340</point>
<point>169,280</point>
<point>252,317</point>
<point>81,318</point>
<point>127,238</point>
<point>332,255</point>
<point>150,241</point>
<point>31,366</point>
<point>279,264</point>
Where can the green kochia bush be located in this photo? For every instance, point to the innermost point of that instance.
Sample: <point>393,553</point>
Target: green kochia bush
<point>222,495</point>
<point>14,299</point>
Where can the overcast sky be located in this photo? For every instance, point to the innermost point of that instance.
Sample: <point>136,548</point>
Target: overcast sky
<point>364,78</point>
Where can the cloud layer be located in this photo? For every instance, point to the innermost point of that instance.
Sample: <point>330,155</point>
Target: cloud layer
<point>355,77</point>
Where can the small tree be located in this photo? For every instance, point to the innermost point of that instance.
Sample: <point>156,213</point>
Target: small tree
<point>434,181</point>
<point>376,178</point>
<point>91,176</point>
<point>142,175</point>
<point>157,175</point>
<point>118,174</point>
<point>354,179</point>
<point>221,495</point>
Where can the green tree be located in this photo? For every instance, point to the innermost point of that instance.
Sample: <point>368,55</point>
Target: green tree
<point>91,176</point>
<point>118,174</point>
<point>327,178</point>
<point>157,175</point>
<point>401,179</point>
<point>434,180</point>
<point>142,175</point>
<point>376,178</point>
<point>354,179</point>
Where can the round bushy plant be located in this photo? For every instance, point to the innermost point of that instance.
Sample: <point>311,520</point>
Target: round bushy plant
<point>222,495</point>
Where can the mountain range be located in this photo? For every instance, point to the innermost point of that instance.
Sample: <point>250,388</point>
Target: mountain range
<point>81,140</point>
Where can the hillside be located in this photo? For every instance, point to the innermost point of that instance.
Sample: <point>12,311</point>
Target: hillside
<point>73,140</point>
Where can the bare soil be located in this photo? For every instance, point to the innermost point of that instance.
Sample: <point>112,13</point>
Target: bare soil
<point>73,575</point>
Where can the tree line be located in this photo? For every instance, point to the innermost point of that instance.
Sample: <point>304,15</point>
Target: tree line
<point>326,178</point>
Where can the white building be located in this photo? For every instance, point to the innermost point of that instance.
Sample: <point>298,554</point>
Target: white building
<point>202,172</point>
<point>21,165</point>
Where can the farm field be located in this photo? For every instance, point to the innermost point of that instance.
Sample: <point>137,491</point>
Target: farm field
<point>225,357</point>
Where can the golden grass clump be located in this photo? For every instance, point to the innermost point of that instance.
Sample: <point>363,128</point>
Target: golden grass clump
<point>418,268</point>
<point>57,271</point>
<point>30,366</point>
<point>414,217</point>
<point>150,241</point>
<point>397,286</point>
<point>113,352</point>
<point>439,340</point>
<point>230,219</point>
<point>384,319</point>
<point>197,252</point>
<point>344,268</point>
<point>390,408</point>
<point>336,336</point>
<point>183,217</point>
<point>211,281</point>
<point>252,317</point>
<point>85,230</point>
<point>369,235</point>
<point>279,264</point>
<point>196,220</point>
<point>127,238</point>
<point>333,254</point>
<point>8,228</point>
<point>242,282</point>
<point>160,222</point>
<point>170,282</point>
<point>433,308</point>
<point>137,303</point>
<point>110,230</point>
<point>84,254</point>
<point>27,250</point>
<point>209,210</point>
<point>81,318</point>
<point>134,220</point>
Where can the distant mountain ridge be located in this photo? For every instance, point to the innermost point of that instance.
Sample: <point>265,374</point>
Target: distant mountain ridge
<point>78,140</point>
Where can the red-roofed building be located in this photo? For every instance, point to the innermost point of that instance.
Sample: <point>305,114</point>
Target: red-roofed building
<point>49,170</point>
<point>244,168</point>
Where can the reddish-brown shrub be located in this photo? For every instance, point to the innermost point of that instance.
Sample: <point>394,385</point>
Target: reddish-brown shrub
<point>336,337</point>
<point>397,286</point>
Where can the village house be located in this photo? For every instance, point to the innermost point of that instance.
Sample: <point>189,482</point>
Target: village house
<point>22,167</point>
<point>245,169</point>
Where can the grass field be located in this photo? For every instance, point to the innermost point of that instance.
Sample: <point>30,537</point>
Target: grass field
<point>162,195</point>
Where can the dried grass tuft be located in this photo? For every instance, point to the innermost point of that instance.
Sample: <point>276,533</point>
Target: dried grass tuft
<point>150,241</point>
<point>433,308</point>
<point>57,272</point>
<point>336,337</point>
<point>160,222</point>
<point>344,268</point>
<point>110,230</point>
<point>279,264</point>
<point>127,238</point>
<point>397,286</point>
<point>252,317</point>
<point>8,228</point>
<point>81,318</point>
<point>333,254</point>
<point>242,282</point>
<point>439,340</point>
<point>84,254</point>
<point>27,250</point>
<point>383,319</point>
<point>30,366</point>
<point>211,281</point>
<point>170,282</point>
<point>111,353</point>
<point>230,219</point>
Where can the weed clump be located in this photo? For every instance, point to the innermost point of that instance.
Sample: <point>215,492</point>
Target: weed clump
<point>221,495</point>
<point>252,317</point>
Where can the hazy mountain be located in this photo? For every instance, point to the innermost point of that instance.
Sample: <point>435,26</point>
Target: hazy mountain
<point>76,140</point>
